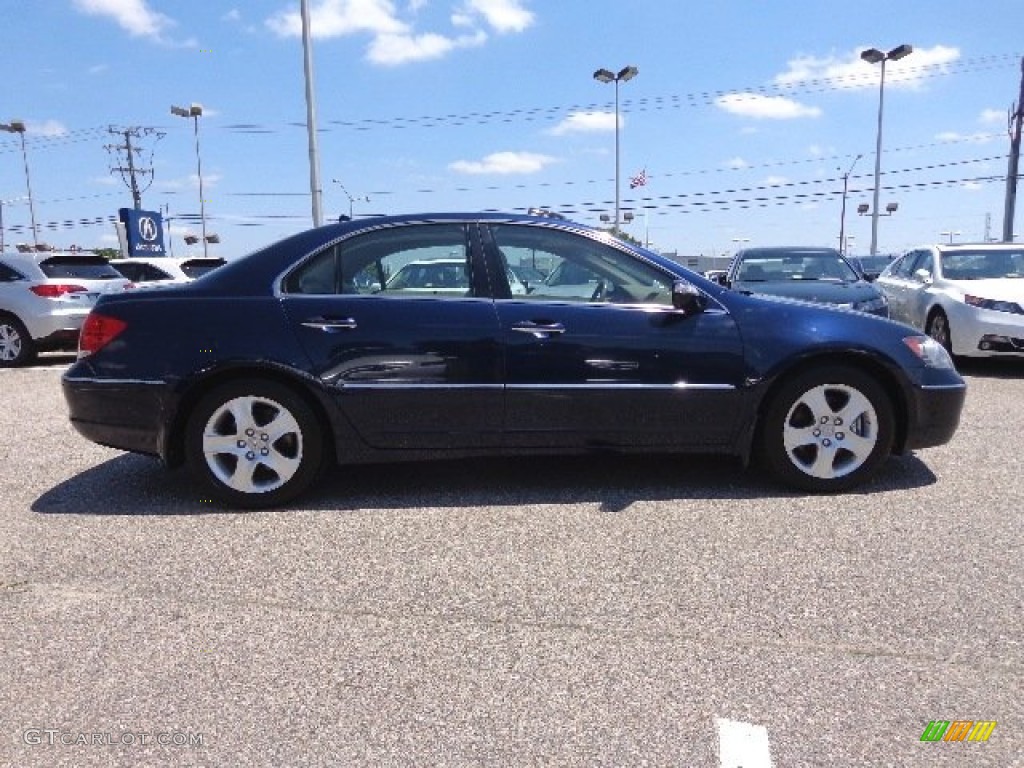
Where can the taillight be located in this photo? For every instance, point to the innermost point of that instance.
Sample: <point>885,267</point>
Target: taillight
<point>56,290</point>
<point>98,331</point>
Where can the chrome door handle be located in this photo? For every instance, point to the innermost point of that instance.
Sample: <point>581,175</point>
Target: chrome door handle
<point>539,330</point>
<point>330,324</point>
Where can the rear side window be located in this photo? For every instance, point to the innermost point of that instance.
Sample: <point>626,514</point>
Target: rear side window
<point>82,267</point>
<point>9,275</point>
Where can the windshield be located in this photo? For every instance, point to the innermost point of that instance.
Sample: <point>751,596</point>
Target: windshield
<point>765,266</point>
<point>983,265</point>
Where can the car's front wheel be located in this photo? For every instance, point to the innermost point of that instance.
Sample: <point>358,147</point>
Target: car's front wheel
<point>827,429</point>
<point>16,347</point>
<point>254,443</point>
<point>938,328</point>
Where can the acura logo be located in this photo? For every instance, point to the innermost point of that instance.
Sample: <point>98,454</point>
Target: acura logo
<point>147,228</point>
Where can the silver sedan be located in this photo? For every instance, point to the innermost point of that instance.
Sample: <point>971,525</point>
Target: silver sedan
<point>969,298</point>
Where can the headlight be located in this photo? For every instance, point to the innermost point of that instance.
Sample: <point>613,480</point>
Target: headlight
<point>998,306</point>
<point>932,354</point>
<point>871,305</point>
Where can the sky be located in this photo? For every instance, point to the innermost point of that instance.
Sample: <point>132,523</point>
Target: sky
<point>745,116</point>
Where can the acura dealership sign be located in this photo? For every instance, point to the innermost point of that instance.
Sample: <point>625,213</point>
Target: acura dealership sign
<point>144,231</point>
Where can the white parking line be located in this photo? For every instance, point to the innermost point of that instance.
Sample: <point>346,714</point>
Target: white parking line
<point>743,745</point>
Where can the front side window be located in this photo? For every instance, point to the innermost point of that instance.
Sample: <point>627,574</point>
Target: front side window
<point>576,268</point>
<point>419,260</point>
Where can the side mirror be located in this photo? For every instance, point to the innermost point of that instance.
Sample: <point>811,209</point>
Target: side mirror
<point>687,299</point>
<point>923,276</point>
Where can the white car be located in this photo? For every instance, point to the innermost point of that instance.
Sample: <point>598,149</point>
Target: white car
<point>162,270</point>
<point>969,298</point>
<point>45,296</point>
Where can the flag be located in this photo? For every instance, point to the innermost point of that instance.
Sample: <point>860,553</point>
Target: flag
<point>639,180</point>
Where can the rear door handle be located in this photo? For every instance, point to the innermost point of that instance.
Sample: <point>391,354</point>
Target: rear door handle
<point>539,330</point>
<point>330,324</point>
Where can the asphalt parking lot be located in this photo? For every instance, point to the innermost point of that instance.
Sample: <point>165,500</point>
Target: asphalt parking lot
<point>667,611</point>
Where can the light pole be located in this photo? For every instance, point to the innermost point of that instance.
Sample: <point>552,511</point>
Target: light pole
<point>362,199</point>
<point>875,56</point>
<point>18,126</point>
<point>950,234</point>
<point>195,112</point>
<point>842,214</point>
<point>606,76</point>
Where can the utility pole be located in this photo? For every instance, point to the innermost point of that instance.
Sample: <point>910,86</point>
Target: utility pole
<point>1015,119</point>
<point>126,162</point>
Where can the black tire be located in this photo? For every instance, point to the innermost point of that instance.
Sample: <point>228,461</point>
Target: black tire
<point>938,328</point>
<point>232,443</point>
<point>16,345</point>
<point>827,429</point>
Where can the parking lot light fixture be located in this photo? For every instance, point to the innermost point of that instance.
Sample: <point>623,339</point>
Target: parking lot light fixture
<point>875,56</point>
<point>18,126</point>
<point>195,111</point>
<point>607,76</point>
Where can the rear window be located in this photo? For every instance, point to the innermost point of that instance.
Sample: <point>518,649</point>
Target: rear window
<point>82,267</point>
<point>196,269</point>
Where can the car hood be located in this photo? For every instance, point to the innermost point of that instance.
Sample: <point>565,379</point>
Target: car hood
<point>999,289</point>
<point>820,291</point>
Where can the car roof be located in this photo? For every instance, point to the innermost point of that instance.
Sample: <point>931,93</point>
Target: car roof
<point>973,246</point>
<point>772,250</point>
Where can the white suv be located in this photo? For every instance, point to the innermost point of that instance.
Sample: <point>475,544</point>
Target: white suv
<point>44,297</point>
<point>164,270</point>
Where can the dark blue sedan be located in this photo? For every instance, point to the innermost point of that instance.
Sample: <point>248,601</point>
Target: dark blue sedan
<point>306,354</point>
<point>810,274</point>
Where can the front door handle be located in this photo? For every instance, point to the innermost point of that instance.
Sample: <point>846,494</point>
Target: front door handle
<point>539,330</point>
<point>330,324</point>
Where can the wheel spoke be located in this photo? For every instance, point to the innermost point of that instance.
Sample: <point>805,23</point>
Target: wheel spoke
<point>284,466</point>
<point>282,424</point>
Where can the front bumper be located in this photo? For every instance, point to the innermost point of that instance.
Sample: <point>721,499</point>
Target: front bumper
<point>934,414</point>
<point>986,333</point>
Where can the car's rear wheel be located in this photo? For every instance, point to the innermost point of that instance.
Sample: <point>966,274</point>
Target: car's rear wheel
<point>827,429</point>
<point>16,347</point>
<point>938,328</point>
<point>254,443</point>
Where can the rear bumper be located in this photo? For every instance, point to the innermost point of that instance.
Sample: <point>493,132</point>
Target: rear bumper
<point>127,415</point>
<point>934,415</point>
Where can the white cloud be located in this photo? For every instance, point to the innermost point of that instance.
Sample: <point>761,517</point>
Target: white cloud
<point>337,18</point>
<point>585,122</point>
<point>504,163</point>
<point>502,15</point>
<point>46,128</point>
<point>993,116</point>
<point>392,50</point>
<point>133,16</point>
<point>737,163</point>
<point>849,71</point>
<point>970,138</point>
<point>765,107</point>
<point>775,181</point>
<point>393,38</point>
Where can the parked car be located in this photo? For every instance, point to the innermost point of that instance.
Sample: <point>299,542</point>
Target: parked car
<point>528,276</point>
<point>969,298</point>
<point>149,270</point>
<point>44,297</point>
<point>284,362</point>
<point>811,274</point>
<point>870,267</point>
